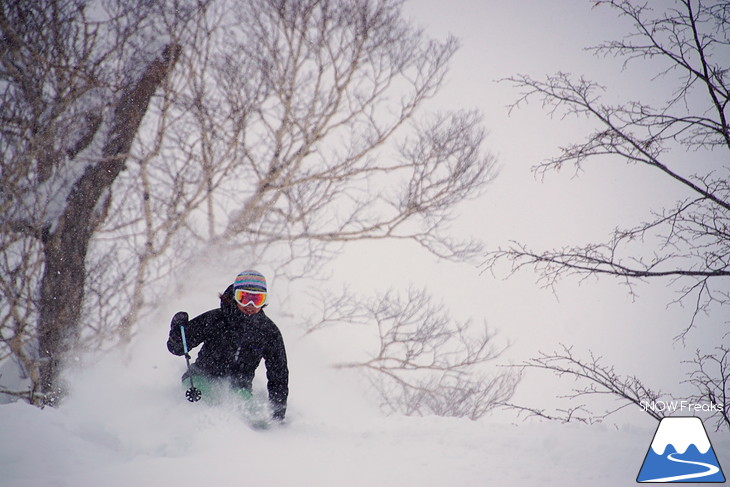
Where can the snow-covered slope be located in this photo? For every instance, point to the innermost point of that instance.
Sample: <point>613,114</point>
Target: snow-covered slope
<point>128,424</point>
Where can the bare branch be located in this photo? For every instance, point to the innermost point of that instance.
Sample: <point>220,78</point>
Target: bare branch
<point>711,378</point>
<point>595,379</point>
<point>425,362</point>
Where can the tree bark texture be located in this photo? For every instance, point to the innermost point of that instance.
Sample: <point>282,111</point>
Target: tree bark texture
<point>66,247</point>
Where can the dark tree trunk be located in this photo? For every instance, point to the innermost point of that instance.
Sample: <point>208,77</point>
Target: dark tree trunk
<point>62,285</point>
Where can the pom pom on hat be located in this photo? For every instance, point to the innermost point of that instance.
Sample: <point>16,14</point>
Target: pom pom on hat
<point>250,281</point>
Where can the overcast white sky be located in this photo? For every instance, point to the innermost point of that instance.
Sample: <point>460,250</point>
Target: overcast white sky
<point>500,39</point>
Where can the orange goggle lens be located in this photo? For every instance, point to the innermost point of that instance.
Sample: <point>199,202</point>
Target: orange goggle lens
<point>244,298</point>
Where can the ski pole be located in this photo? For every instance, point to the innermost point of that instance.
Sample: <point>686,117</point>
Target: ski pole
<point>193,393</point>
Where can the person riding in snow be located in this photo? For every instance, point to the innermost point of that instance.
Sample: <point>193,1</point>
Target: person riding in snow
<point>235,337</point>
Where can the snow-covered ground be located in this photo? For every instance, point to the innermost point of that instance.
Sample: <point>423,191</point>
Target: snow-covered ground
<point>128,424</point>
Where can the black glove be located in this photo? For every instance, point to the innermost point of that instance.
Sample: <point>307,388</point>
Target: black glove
<point>180,319</point>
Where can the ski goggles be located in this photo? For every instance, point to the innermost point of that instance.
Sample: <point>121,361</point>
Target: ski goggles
<point>244,298</point>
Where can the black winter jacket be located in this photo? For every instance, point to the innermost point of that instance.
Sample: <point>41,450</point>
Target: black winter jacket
<point>234,344</point>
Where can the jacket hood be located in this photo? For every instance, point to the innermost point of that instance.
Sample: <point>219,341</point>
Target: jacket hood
<point>228,303</point>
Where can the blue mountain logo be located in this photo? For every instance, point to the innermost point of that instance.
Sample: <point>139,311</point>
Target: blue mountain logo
<point>681,452</point>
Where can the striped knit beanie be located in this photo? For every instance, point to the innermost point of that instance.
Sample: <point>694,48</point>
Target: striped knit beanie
<point>250,281</point>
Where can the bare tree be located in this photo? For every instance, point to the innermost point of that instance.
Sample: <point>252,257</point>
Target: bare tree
<point>687,242</point>
<point>76,85</point>
<point>291,129</point>
<point>423,361</point>
<point>694,247</point>
<point>284,130</point>
<point>313,132</point>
